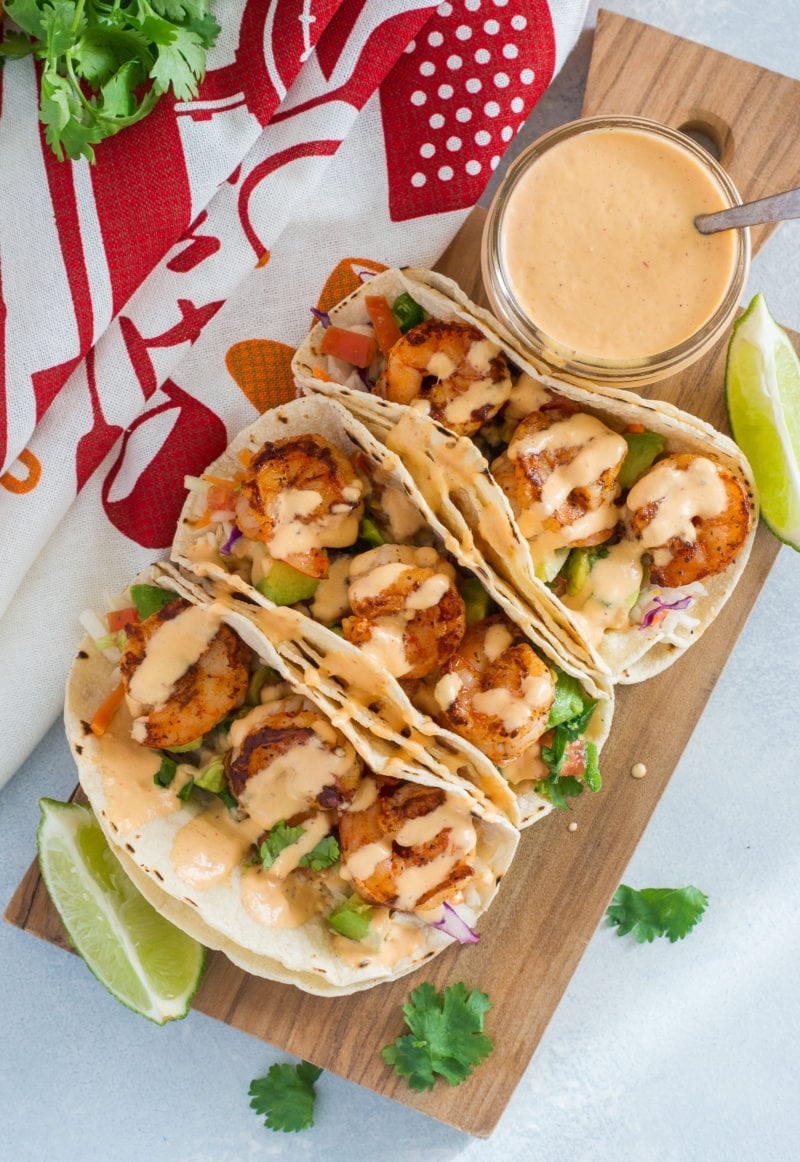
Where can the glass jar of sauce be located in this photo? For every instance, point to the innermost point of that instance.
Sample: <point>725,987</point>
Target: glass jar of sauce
<point>590,254</point>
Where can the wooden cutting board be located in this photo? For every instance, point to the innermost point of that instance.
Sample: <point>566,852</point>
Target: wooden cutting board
<point>556,893</point>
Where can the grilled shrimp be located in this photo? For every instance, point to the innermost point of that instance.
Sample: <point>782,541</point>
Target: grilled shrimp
<point>286,760</point>
<point>495,690</point>
<point>463,375</point>
<point>299,496</point>
<point>406,845</point>
<point>692,515</point>
<point>407,611</point>
<point>560,475</point>
<point>174,703</point>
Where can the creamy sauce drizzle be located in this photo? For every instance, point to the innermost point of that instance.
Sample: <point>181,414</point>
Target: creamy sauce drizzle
<point>599,245</point>
<point>280,903</point>
<point>174,647</point>
<point>132,798</point>
<point>681,494</point>
<point>207,848</point>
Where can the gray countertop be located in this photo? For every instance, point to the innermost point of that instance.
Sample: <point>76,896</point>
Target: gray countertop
<point>663,1052</point>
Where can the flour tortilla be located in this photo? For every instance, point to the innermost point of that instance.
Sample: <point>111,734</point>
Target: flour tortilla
<point>455,479</point>
<point>336,674</point>
<point>306,956</point>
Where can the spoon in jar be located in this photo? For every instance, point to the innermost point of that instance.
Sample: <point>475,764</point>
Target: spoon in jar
<point>776,208</point>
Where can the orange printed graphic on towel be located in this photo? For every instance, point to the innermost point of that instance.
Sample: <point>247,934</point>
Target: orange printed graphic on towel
<point>346,277</point>
<point>32,466</point>
<point>263,370</point>
<point>263,367</point>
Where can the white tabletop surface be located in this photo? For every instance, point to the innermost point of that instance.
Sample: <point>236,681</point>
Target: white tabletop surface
<point>658,1052</point>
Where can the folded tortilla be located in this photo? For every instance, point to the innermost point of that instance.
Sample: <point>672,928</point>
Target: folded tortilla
<point>194,859</point>
<point>355,690</point>
<point>455,478</point>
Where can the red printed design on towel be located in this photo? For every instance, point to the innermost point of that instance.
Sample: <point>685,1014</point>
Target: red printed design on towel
<point>455,99</point>
<point>143,493</point>
<point>143,214</point>
<point>274,41</point>
<point>48,382</point>
<point>201,247</point>
<point>266,167</point>
<point>95,444</point>
<point>188,329</point>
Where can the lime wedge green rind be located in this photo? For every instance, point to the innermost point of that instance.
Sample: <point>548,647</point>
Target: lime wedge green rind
<point>143,960</point>
<point>762,391</point>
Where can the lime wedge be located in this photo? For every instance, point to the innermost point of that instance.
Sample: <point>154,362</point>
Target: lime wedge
<point>142,959</point>
<point>762,389</point>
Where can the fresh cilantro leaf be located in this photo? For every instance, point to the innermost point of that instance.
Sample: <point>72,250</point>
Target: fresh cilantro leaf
<point>102,51</point>
<point>592,774</point>
<point>27,14</point>
<point>15,46</point>
<point>325,854</point>
<point>186,790</point>
<point>180,65</point>
<point>280,836</point>
<point>62,24</point>
<point>285,1097</point>
<point>651,912</point>
<point>166,772</point>
<point>446,1036</point>
<point>560,790</point>
<point>106,64</point>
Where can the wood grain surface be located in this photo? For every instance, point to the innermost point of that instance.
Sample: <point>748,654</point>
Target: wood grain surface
<point>556,893</point>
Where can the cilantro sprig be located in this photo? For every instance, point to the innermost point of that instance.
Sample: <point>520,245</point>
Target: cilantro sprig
<point>652,912</point>
<point>107,62</point>
<point>280,837</point>
<point>285,1097</point>
<point>446,1036</point>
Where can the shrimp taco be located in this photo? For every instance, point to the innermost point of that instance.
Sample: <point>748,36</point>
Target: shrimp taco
<point>379,613</point>
<point>249,819</point>
<point>624,523</point>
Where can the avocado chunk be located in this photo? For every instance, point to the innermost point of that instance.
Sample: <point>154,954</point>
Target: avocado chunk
<point>643,447</point>
<point>476,600</point>
<point>286,585</point>
<point>577,570</point>
<point>368,531</point>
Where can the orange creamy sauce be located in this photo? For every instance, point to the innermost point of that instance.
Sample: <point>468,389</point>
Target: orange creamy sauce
<point>599,246</point>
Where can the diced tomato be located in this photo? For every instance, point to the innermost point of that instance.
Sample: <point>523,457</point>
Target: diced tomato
<point>574,758</point>
<point>121,618</point>
<point>351,346</point>
<point>387,331</point>
<point>635,428</point>
<point>220,498</point>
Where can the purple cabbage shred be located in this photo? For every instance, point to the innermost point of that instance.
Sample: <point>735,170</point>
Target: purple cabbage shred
<point>658,605</point>
<point>321,317</point>
<point>236,532</point>
<point>452,924</point>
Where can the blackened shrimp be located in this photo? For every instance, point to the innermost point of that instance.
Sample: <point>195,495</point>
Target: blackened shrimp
<point>495,690</point>
<point>406,610</point>
<point>462,375</point>
<point>182,672</point>
<point>692,515</point>
<point>406,845</point>
<point>560,475</point>
<point>286,759</point>
<point>300,496</point>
